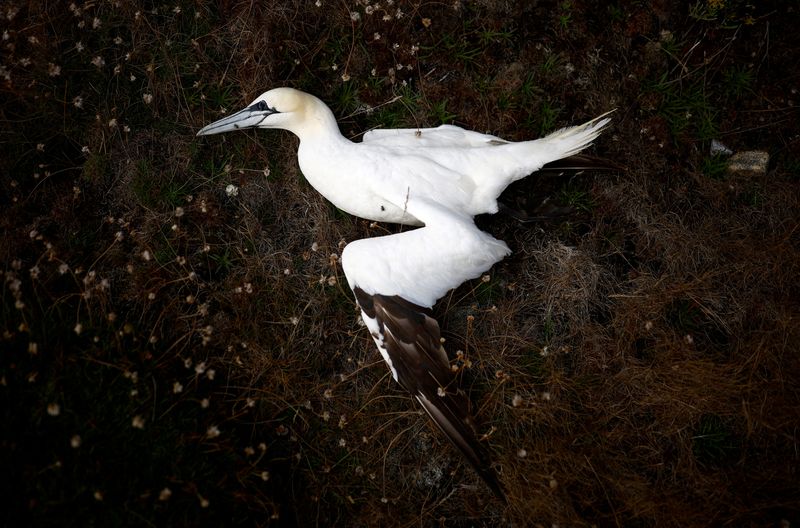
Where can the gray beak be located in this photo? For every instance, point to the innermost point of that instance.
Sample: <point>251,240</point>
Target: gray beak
<point>250,117</point>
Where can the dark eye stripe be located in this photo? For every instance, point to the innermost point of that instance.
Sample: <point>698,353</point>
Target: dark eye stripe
<point>262,106</point>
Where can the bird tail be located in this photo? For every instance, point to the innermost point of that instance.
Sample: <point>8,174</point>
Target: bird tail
<point>570,141</point>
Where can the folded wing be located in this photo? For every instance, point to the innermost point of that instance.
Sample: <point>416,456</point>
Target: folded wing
<point>441,136</point>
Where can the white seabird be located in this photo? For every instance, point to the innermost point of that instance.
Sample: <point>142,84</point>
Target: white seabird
<point>436,177</point>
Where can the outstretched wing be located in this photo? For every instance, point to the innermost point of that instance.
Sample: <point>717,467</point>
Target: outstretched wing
<point>441,136</point>
<point>396,280</point>
<point>409,339</point>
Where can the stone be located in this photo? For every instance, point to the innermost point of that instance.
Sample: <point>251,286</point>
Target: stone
<point>749,163</point>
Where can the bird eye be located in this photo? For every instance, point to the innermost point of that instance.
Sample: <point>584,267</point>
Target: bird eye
<point>261,106</point>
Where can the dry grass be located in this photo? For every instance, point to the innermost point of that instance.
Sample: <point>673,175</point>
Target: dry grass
<point>175,354</point>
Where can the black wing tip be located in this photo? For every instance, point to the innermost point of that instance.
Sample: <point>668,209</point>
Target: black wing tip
<point>451,416</point>
<point>487,472</point>
<point>492,480</point>
<point>412,340</point>
<point>582,162</point>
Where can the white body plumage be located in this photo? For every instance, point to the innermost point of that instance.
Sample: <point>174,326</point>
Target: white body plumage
<point>437,177</point>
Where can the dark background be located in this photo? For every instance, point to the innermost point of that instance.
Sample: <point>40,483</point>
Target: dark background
<point>177,355</point>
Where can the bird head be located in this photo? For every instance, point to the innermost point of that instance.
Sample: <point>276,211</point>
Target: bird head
<point>284,108</point>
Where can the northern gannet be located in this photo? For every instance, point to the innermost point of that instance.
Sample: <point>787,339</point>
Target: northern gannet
<point>435,177</point>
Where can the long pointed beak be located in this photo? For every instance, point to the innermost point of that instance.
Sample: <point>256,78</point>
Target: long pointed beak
<point>247,118</point>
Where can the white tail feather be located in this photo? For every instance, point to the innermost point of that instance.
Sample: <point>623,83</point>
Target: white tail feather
<point>571,140</point>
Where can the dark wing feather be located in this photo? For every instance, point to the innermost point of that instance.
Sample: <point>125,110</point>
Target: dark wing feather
<point>410,337</point>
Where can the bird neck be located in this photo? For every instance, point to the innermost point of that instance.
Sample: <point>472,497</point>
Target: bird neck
<point>318,123</point>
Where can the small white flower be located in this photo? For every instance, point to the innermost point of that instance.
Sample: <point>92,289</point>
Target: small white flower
<point>165,494</point>
<point>96,23</point>
<point>78,328</point>
<point>522,453</point>
<point>204,403</point>
<point>147,98</point>
<point>177,388</point>
<point>265,476</point>
<point>75,441</point>
<point>98,61</point>
<point>213,431</point>
<point>53,70</point>
<point>232,190</point>
<point>112,123</point>
<point>53,409</point>
<point>516,401</point>
<point>137,422</point>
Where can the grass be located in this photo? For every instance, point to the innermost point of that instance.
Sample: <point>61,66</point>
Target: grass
<point>175,355</point>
